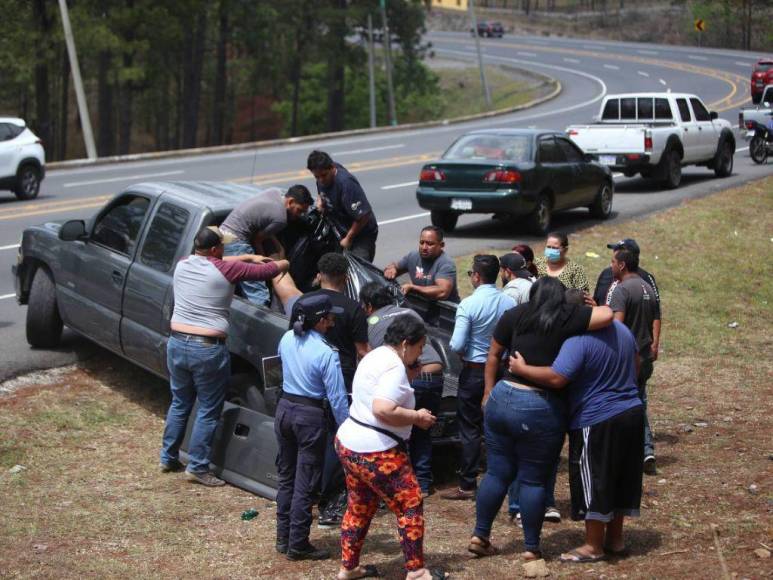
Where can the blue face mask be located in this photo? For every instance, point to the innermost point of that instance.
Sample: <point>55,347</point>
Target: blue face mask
<point>552,254</point>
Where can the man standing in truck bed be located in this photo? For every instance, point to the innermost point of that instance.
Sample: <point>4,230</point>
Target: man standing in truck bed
<point>197,357</point>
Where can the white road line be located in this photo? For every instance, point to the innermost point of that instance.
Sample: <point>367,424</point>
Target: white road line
<point>529,54</point>
<point>571,60</point>
<point>739,63</point>
<point>395,220</point>
<point>123,178</point>
<point>399,185</point>
<point>612,66</point>
<point>6,296</point>
<point>662,82</point>
<point>653,52</point>
<point>11,247</point>
<point>369,150</point>
<point>644,74</point>
<point>696,57</point>
<point>742,149</point>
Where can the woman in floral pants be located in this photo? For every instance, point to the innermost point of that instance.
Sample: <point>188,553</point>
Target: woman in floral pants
<point>372,450</point>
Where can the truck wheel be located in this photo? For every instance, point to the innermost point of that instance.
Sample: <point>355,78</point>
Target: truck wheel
<point>723,166</point>
<point>602,205</point>
<point>538,221</point>
<point>27,182</point>
<point>758,149</point>
<point>672,169</point>
<point>44,325</point>
<point>243,391</point>
<point>445,220</point>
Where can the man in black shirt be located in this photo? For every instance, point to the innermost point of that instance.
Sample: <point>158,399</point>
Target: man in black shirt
<point>606,283</point>
<point>343,200</point>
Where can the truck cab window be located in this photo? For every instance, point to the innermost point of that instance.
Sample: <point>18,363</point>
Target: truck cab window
<point>118,228</point>
<point>701,114</point>
<point>684,110</point>
<point>663,110</point>
<point>628,109</point>
<point>164,235</point>
<point>611,110</point>
<point>645,109</point>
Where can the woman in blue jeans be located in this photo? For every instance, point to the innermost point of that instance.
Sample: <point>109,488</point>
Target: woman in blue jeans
<point>524,424</point>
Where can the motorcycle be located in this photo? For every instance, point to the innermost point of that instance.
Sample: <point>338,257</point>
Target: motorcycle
<point>761,144</point>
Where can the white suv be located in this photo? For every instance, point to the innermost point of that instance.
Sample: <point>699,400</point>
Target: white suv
<point>22,158</point>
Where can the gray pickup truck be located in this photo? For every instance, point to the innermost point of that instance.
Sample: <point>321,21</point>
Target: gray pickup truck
<point>761,113</point>
<point>109,278</point>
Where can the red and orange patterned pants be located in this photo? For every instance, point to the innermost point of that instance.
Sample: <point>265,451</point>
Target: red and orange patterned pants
<point>386,475</point>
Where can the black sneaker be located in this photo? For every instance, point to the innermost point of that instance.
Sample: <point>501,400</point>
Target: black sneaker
<point>650,468</point>
<point>281,546</point>
<point>331,517</point>
<point>553,515</point>
<point>308,553</point>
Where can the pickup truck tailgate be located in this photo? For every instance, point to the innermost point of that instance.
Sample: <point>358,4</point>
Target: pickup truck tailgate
<point>608,139</point>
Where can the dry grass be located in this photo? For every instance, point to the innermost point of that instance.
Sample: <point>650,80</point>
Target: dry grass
<point>90,502</point>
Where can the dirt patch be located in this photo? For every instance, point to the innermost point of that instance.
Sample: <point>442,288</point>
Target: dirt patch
<point>90,501</point>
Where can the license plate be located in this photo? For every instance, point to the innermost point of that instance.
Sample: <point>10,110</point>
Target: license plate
<point>461,204</point>
<point>607,159</point>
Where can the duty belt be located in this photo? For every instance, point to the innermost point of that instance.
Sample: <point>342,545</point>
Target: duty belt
<point>308,401</point>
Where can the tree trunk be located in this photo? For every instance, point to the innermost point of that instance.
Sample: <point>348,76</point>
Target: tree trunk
<point>42,96</point>
<point>221,78</point>
<point>105,107</point>
<point>337,68</point>
<point>125,114</point>
<point>194,61</point>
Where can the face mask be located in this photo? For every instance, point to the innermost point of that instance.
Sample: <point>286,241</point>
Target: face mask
<point>552,254</point>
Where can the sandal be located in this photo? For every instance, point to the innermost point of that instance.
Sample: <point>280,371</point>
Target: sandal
<point>575,557</point>
<point>481,548</point>
<point>537,555</point>
<point>370,572</point>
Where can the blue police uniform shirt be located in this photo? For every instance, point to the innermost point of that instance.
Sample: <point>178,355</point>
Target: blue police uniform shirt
<point>476,317</point>
<point>601,368</point>
<point>345,202</point>
<point>311,368</point>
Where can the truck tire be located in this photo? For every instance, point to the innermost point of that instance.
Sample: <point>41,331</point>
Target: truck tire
<point>671,169</point>
<point>601,208</point>
<point>538,221</point>
<point>445,220</point>
<point>44,325</point>
<point>27,182</point>
<point>243,391</point>
<point>723,163</point>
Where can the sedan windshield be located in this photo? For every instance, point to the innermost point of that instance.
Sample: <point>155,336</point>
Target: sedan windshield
<point>495,147</point>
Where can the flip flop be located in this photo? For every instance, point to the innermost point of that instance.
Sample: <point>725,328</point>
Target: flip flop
<point>370,572</point>
<point>575,557</point>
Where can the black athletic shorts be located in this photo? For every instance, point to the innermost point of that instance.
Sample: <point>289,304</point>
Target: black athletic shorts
<point>605,467</point>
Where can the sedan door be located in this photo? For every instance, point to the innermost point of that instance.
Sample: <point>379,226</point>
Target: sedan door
<point>585,182</point>
<point>91,292</point>
<point>555,172</point>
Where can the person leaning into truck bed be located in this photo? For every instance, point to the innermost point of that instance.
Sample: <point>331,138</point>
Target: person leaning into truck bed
<point>197,356</point>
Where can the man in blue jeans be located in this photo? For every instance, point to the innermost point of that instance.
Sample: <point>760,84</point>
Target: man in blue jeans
<point>197,356</point>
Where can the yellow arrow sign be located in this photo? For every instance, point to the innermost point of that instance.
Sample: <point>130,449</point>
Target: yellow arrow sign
<point>700,25</point>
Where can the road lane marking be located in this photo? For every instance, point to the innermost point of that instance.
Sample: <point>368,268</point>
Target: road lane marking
<point>399,185</point>
<point>662,82</point>
<point>644,74</point>
<point>612,66</point>
<point>369,150</point>
<point>395,220</point>
<point>11,247</point>
<point>58,209</point>
<point>6,296</point>
<point>123,178</point>
<point>739,63</point>
<point>75,202</point>
<point>529,54</point>
<point>649,52</point>
<point>696,57</point>
<point>575,60</point>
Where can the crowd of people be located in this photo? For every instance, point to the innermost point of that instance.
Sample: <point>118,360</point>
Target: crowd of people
<point>540,358</point>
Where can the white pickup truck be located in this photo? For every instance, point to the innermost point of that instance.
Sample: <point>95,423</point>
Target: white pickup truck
<point>656,134</point>
<point>761,113</point>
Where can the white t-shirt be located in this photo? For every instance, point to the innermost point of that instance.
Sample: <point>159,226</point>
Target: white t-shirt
<point>380,375</point>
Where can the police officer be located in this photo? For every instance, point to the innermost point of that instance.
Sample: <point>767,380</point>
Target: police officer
<point>313,386</point>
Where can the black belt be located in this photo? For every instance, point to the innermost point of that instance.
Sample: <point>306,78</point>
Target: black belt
<point>473,365</point>
<point>429,376</point>
<point>198,338</point>
<point>308,401</point>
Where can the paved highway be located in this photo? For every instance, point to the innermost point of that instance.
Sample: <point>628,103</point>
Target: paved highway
<point>388,164</point>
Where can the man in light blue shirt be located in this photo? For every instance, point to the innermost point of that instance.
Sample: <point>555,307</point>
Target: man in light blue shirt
<point>476,317</point>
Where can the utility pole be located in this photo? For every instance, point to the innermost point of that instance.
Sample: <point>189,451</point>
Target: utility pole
<point>483,83</point>
<point>83,109</point>
<point>388,56</point>
<point>371,73</point>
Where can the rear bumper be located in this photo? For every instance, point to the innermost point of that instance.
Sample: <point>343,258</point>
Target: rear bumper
<point>626,162</point>
<point>510,201</point>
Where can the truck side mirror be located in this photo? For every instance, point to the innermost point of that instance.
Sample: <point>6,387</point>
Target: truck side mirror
<point>73,231</point>
<point>714,115</point>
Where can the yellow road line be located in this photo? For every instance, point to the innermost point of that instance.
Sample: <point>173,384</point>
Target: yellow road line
<point>729,78</point>
<point>58,209</point>
<point>49,204</point>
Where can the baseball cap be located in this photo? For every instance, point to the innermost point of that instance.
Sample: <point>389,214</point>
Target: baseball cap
<point>210,237</point>
<point>512,262</point>
<point>314,306</point>
<point>627,243</point>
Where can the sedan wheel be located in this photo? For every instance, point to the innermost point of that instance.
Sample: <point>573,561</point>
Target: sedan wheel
<point>539,219</point>
<point>602,205</point>
<point>27,182</point>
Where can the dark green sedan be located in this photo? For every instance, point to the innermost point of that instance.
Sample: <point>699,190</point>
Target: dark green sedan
<point>514,173</point>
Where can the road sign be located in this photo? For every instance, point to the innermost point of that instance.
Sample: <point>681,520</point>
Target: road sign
<point>700,25</point>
